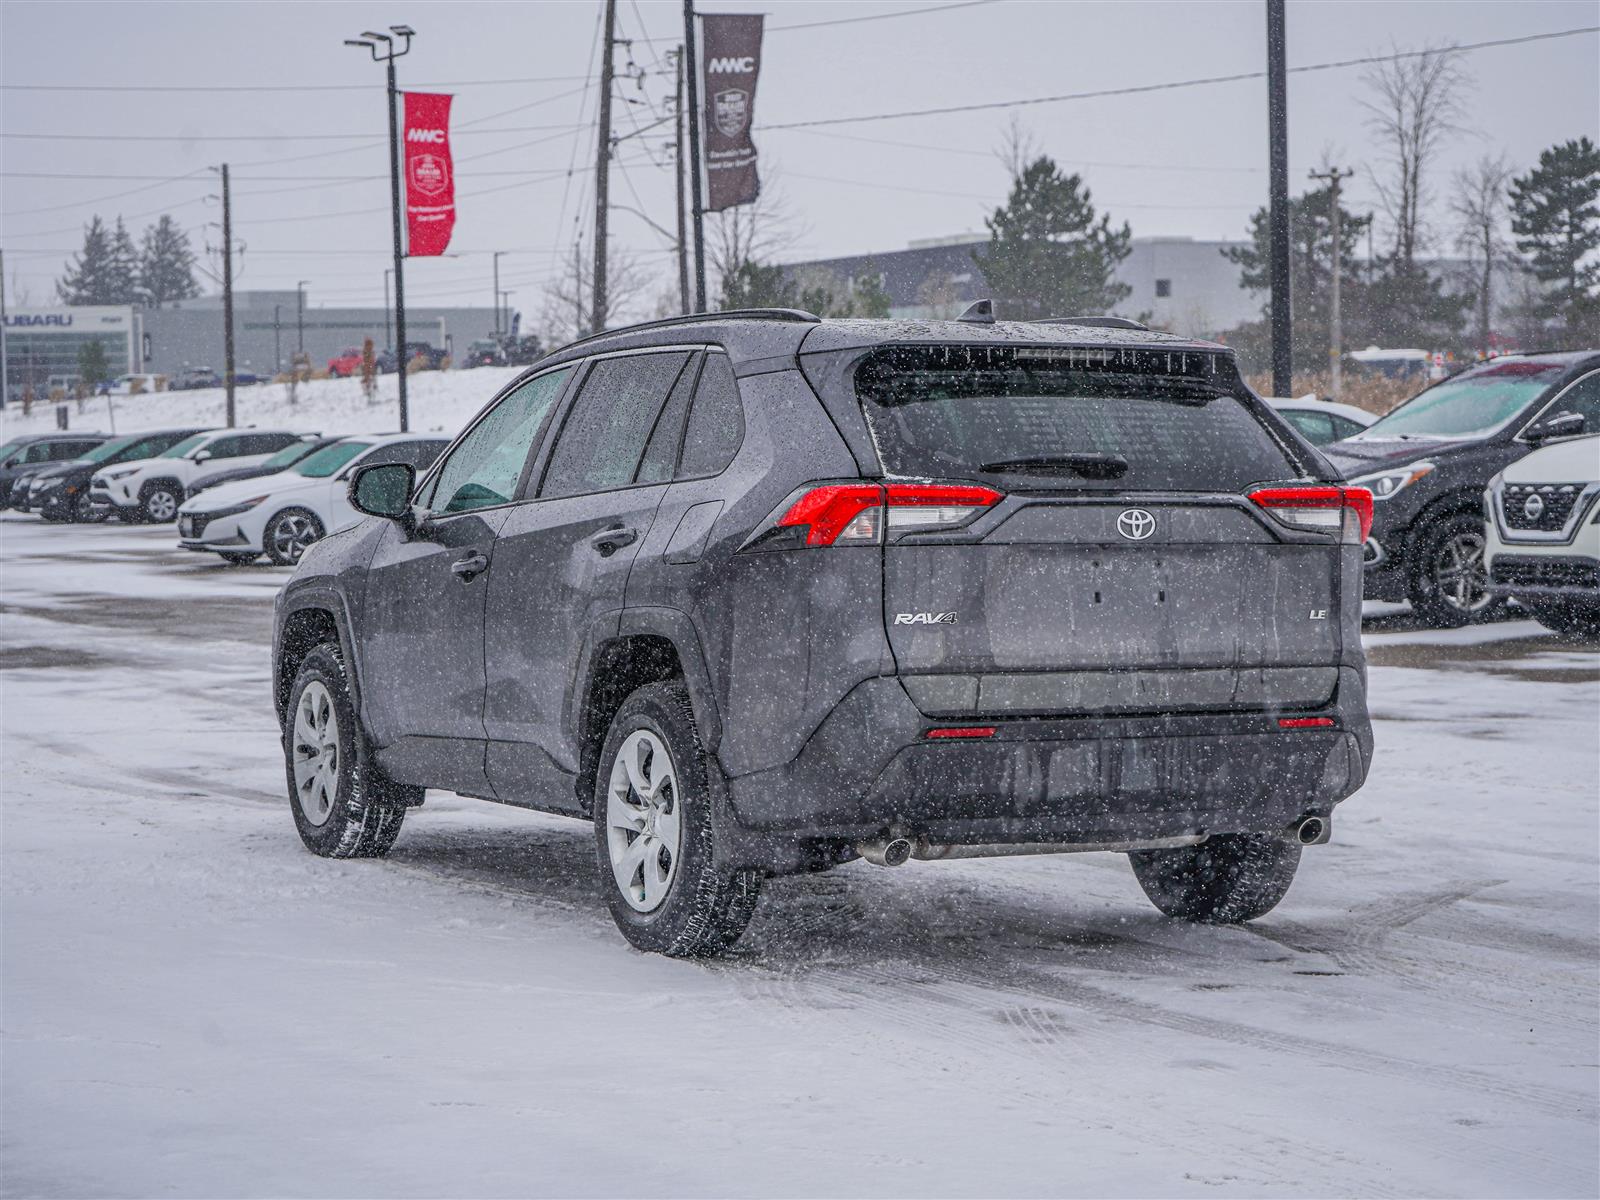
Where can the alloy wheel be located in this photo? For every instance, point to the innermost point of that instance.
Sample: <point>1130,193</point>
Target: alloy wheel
<point>292,535</point>
<point>644,832</point>
<point>1459,575</point>
<point>316,753</point>
<point>161,505</point>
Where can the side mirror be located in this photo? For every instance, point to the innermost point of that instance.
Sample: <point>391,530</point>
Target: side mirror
<point>201,456</point>
<point>1556,425</point>
<point>384,490</point>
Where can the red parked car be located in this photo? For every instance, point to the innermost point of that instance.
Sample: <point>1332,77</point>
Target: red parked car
<point>346,362</point>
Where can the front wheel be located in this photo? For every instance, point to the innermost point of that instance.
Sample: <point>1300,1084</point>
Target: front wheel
<point>1227,878</point>
<point>290,534</point>
<point>655,836</point>
<point>343,806</point>
<point>84,511</point>
<point>1448,581</point>
<point>159,502</point>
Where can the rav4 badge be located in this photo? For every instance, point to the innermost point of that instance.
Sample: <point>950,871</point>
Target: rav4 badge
<point>948,618</point>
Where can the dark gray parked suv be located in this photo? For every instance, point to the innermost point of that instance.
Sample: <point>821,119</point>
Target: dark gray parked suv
<point>759,593</point>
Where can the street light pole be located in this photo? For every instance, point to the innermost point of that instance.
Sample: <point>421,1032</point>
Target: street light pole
<point>1278,203</point>
<point>227,295</point>
<point>388,329</point>
<point>692,72</point>
<point>390,52</point>
<point>300,316</point>
<point>496,257</point>
<point>1334,177</point>
<point>681,159</point>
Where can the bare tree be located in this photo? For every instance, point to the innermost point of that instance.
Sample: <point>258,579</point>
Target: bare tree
<point>1017,148</point>
<point>1479,204</point>
<point>1415,106</point>
<point>566,314</point>
<point>751,233</point>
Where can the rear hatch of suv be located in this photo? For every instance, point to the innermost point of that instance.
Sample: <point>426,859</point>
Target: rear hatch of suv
<point>1074,531</point>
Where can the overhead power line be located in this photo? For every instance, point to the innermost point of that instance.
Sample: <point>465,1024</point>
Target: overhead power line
<point>1138,89</point>
<point>884,16</point>
<point>250,137</point>
<point>268,87</point>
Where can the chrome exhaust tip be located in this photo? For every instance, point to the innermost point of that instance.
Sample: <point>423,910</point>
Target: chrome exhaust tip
<point>886,852</point>
<point>1311,831</point>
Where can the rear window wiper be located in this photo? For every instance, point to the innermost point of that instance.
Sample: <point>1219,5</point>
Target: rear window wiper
<point>1090,466</point>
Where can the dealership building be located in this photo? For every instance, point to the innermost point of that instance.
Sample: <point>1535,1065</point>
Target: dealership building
<point>269,328</point>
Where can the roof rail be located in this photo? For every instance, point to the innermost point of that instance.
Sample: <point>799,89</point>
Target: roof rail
<point>742,314</point>
<point>1094,322</point>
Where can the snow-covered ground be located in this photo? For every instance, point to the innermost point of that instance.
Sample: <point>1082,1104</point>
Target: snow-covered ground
<point>440,402</point>
<point>195,1006</point>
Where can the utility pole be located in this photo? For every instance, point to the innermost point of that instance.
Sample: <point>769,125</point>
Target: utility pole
<point>388,328</point>
<point>496,257</point>
<point>577,287</point>
<point>602,170</point>
<point>300,316</point>
<point>1278,186</point>
<point>680,154</point>
<point>390,52</point>
<point>692,73</point>
<point>227,294</point>
<point>1334,177</point>
<point>277,347</point>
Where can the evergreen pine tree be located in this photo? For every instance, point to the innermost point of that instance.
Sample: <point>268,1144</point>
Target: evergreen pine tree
<point>1049,254</point>
<point>124,282</point>
<point>90,278</point>
<point>1556,220</point>
<point>166,264</point>
<point>94,368</point>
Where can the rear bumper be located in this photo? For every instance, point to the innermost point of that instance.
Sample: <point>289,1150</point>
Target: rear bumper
<point>870,767</point>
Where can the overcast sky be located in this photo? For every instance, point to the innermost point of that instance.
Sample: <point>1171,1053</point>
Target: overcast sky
<point>312,204</point>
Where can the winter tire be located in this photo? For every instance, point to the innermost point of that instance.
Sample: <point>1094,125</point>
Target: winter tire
<point>289,534</point>
<point>1448,581</point>
<point>343,806</point>
<point>158,502</point>
<point>83,512</point>
<point>239,560</point>
<point>1228,878</point>
<point>1577,619</point>
<point>655,832</point>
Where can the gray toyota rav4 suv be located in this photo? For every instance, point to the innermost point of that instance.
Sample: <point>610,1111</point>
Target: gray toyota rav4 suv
<point>758,593</point>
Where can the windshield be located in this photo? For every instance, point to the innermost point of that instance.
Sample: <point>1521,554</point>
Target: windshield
<point>183,447</point>
<point>1050,420</point>
<point>330,458</point>
<point>1470,405</point>
<point>287,457</point>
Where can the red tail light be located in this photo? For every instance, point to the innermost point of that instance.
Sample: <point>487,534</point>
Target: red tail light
<point>858,513</point>
<point>1323,508</point>
<point>963,731</point>
<point>1304,722</point>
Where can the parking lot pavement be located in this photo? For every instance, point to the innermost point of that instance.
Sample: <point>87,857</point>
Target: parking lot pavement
<point>193,1005</point>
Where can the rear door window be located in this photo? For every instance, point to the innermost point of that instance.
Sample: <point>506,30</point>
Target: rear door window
<point>603,441</point>
<point>716,421</point>
<point>1060,418</point>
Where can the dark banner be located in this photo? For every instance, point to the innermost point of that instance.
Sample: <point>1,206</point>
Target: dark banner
<point>429,174</point>
<point>732,58</point>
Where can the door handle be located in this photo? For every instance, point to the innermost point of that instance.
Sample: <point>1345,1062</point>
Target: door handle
<point>609,541</point>
<point>470,567</point>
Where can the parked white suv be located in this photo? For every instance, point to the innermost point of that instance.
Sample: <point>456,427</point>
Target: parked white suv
<point>1543,544</point>
<point>152,488</point>
<point>280,515</point>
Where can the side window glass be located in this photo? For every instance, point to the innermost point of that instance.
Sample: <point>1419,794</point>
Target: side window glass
<point>486,465</point>
<point>661,451</point>
<point>1582,397</point>
<point>228,447</point>
<point>1317,428</point>
<point>266,443</point>
<point>716,421</point>
<point>38,452</point>
<point>604,437</point>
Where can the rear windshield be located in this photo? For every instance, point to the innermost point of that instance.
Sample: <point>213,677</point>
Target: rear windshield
<point>1474,404</point>
<point>1065,419</point>
<point>330,458</point>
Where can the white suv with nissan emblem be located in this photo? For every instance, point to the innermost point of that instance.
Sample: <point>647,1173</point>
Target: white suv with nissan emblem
<point>1543,544</point>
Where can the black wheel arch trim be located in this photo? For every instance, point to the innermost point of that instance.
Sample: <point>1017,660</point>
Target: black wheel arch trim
<point>332,602</point>
<point>676,627</point>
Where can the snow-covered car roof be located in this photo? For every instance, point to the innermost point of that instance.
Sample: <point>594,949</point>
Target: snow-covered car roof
<point>1311,404</point>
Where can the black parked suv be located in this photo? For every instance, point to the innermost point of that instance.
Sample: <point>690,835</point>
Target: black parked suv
<point>61,493</point>
<point>24,457</point>
<point>759,593</point>
<point>1427,464</point>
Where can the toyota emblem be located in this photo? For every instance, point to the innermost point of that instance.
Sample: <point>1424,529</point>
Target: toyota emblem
<point>1135,524</point>
<point>1533,507</point>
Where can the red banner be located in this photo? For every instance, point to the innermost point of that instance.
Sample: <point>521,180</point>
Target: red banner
<point>430,176</point>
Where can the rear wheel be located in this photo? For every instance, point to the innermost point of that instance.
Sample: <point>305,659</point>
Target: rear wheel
<point>655,837</point>
<point>289,534</point>
<point>1448,580</point>
<point>343,806</point>
<point>1229,877</point>
<point>1578,619</point>
<point>158,502</point>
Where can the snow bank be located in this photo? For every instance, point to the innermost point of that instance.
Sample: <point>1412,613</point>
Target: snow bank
<point>441,402</point>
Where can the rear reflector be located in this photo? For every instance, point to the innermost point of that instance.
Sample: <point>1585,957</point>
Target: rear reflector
<point>854,513</point>
<point>1322,508</point>
<point>963,731</point>
<point>1304,722</point>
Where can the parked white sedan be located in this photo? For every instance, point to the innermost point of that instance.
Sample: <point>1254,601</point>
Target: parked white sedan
<point>280,515</point>
<point>1322,422</point>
